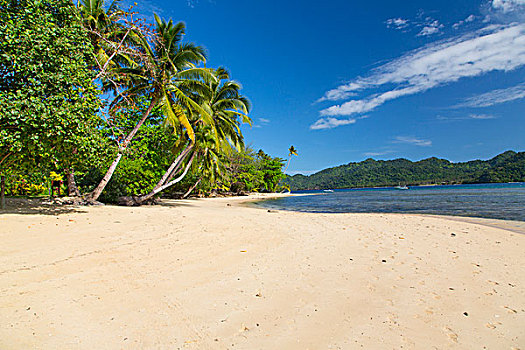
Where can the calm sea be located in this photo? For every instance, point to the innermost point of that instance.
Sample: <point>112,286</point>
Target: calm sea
<point>496,201</point>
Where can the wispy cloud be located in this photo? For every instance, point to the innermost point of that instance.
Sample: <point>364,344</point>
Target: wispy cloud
<point>425,25</point>
<point>469,19</point>
<point>397,23</point>
<point>412,140</point>
<point>261,122</point>
<point>495,97</point>
<point>467,117</point>
<point>492,48</point>
<point>341,92</point>
<point>482,116</point>
<point>432,27</point>
<point>303,172</point>
<point>375,154</point>
<point>330,123</point>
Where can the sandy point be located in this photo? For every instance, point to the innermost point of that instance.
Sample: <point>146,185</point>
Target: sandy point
<point>215,274</point>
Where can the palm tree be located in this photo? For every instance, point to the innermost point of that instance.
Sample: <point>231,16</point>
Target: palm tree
<point>169,67</point>
<point>291,152</point>
<point>229,108</point>
<point>216,135</point>
<point>105,32</point>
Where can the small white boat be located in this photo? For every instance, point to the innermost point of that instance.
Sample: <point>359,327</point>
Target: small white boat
<point>401,187</point>
<point>328,190</point>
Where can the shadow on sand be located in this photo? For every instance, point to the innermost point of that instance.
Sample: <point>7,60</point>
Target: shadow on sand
<point>175,203</point>
<point>37,206</point>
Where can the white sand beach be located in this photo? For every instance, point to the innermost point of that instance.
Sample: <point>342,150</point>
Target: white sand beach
<point>216,274</point>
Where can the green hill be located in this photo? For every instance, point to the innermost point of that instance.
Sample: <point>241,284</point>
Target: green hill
<point>505,167</point>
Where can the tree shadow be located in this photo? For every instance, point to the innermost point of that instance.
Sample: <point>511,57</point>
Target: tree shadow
<point>37,206</point>
<point>165,202</point>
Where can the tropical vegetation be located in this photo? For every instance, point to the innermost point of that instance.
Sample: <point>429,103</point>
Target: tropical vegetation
<point>125,109</point>
<point>505,167</point>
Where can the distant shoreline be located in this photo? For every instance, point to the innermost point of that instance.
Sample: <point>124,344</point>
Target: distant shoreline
<point>409,185</point>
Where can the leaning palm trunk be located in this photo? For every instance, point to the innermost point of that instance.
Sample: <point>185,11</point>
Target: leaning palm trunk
<point>174,167</point>
<point>97,191</point>
<point>191,189</point>
<point>144,198</point>
<point>287,164</point>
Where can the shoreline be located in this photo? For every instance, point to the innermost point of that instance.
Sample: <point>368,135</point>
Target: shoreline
<point>216,274</point>
<point>417,186</point>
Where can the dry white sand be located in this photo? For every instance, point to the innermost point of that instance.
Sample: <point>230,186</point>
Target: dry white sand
<point>211,274</point>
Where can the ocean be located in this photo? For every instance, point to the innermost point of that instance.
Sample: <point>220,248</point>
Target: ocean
<point>495,201</point>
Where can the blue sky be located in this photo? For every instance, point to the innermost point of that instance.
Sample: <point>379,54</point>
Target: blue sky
<point>343,81</point>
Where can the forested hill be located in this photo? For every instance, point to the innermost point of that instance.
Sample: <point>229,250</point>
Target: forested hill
<point>505,167</point>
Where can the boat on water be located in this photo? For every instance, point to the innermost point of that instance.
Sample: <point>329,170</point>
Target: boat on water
<point>404,187</point>
<point>328,190</point>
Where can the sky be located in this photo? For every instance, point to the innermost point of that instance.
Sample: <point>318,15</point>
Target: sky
<point>343,81</point>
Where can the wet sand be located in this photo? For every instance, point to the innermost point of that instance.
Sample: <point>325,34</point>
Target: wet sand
<point>215,274</point>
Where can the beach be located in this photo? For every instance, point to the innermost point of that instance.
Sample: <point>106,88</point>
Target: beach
<point>219,274</point>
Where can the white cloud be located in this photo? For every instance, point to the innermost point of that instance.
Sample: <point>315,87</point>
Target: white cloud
<point>303,172</point>
<point>495,97</point>
<point>492,48</point>
<point>342,92</point>
<point>467,117</point>
<point>482,116</point>
<point>469,19</point>
<point>262,122</point>
<point>425,26</point>
<point>428,31</point>
<point>375,154</point>
<point>329,123</point>
<point>508,5</point>
<point>412,140</point>
<point>397,23</point>
<point>430,28</point>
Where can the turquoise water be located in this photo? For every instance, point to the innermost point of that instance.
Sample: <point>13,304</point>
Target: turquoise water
<point>496,201</point>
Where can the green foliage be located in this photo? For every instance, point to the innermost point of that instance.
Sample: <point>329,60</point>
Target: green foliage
<point>250,171</point>
<point>32,184</point>
<point>47,99</point>
<point>50,111</point>
<point>506,167</point>
<point>144,161</point>
<point>21,187</point>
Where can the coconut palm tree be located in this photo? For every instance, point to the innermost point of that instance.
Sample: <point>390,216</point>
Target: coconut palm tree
<point>228,109</point>
<point>105,32</point>
<point>291,152</point>
<point>168,70</point>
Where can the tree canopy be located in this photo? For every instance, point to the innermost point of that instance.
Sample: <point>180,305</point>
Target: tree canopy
<point>48,102</point>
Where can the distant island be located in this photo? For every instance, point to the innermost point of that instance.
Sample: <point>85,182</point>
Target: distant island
<point>508,166</point>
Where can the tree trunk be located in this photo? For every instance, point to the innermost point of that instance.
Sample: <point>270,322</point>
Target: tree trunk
<point>2,192</point>
<point>144,198</point>
<point>71,183</point>
<point>191,189</point>
<point>287,164</point>
<point>97,191</point>
<point>168,175</point>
